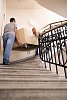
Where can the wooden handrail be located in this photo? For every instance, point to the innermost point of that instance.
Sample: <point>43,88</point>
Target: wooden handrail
<point>55,27</point>
<point>54,23</point>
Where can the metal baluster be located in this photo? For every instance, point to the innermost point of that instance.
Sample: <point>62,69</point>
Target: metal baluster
<point>50,42</point>
<point>54,53</point>
<point>62,52</point>
<point>56,44</point>
<point>45,54</point>
<point>39,46</point>
<point>48,51</point>
<point>66,51</point>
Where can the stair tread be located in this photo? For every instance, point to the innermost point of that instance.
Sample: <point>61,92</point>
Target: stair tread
<point>22,68</point>
<point>33,79</point>
<point>33,85</point>
<point>27,74</point>
<point>30,75</point>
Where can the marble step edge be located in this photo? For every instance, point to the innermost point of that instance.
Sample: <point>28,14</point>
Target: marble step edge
<point>23,68</point>
<point>32,87</point>
<point>32,80</point>
<point>29,74</point>
<point>26,72</point>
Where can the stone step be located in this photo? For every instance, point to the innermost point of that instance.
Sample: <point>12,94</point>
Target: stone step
<point>29,61</point>
<point>26,75</point>
<point>23,68</point>
<point>23,65</point>
<point>28,65</point>
<point>33,85</point>
<point>22,94</point>
<point>24,71</point>
<point>37,79</point>
<point>31,76</point>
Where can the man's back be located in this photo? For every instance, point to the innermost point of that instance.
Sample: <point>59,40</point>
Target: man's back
<point>9,27</point>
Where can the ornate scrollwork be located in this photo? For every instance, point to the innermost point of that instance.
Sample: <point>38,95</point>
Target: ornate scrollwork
<point>53,44</point>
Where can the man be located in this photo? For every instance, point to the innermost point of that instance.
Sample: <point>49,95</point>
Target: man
<point>8,39</point>
<point>36,35</point>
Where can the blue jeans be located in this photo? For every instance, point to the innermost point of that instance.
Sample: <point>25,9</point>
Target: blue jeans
<point>8,40</point>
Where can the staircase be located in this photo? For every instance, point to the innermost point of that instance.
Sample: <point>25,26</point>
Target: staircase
<point>29,80</point>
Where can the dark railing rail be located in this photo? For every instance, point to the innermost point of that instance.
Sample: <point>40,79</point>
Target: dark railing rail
<point>53,45</point>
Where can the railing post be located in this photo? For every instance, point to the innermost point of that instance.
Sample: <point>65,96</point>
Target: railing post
<point>39,44</point>
<point>65,72</point>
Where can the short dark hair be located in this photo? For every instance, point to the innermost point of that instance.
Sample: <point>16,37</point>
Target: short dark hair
<point>12,19</point>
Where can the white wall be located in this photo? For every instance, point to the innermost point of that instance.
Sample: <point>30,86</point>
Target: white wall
<point>2,20</point>
<point>1,4</point>
<point>57,6</point>
<point>2,13</point>
<point>41,17</point>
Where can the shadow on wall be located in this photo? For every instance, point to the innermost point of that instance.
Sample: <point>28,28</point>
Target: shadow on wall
<point>57,6</point>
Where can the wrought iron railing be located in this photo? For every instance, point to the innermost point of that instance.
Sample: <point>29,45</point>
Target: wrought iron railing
<point>53,45</point>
